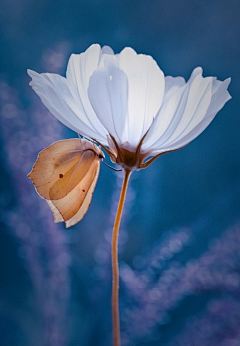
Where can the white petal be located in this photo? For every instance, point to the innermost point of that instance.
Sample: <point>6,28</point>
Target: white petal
<point>145,92</point>
<point>173,84</point>
<point>79,70</point>
<point>197,71</point>
<point>107,50</point>
<point>185,140</point>
<point>169,114</point>
<point>108,92</point>
<point>55,95</point>
<point>194,100</point>
<point>219,98</point>
<point>199,99</point>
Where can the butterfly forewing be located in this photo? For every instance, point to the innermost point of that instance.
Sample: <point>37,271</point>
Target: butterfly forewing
<point>53,163</point>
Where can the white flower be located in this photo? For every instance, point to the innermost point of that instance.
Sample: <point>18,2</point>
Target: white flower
<point>123,101</point>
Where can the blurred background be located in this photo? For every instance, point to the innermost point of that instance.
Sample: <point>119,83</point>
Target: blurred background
<point>180,235</point>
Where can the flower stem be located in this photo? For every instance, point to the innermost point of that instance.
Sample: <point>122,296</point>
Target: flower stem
<point>115,270</point>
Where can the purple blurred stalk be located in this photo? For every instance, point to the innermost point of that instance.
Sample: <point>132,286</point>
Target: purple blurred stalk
<point>155,296</point>
<point>44,243</point>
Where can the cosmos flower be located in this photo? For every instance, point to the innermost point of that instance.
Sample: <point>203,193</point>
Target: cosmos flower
<point>124,101</point>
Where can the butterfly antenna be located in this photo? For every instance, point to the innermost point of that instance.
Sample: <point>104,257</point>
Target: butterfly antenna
<point>114,169</point>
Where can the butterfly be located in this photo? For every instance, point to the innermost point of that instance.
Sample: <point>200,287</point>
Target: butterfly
<point>65,175</point>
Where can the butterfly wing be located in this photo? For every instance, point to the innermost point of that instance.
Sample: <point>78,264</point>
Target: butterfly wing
<point>60,167</point>
<point>71,176</point>
<point>75,204</point>
<point>56,215</point>
<point>65,174</point>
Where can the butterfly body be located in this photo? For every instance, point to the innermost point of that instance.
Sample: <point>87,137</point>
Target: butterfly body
<point>65,175</point>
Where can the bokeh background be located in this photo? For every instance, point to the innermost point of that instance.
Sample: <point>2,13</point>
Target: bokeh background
<point>180,235</point>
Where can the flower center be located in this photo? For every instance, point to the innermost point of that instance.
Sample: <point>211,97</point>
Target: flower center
<point>127,159</point>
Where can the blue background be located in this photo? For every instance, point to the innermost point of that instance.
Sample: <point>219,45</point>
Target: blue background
<point>180,235</point>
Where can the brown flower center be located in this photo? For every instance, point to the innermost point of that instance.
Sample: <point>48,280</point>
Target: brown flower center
<point>127,159</point>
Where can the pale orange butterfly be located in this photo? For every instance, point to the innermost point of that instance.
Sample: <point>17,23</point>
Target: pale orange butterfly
<point>65,175</point>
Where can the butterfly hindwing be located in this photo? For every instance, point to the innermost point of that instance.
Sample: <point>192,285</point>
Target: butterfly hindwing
<point>75,204</point>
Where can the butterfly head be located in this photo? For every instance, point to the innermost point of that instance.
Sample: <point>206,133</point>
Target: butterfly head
<point>88,145</point>
<point>101,155</point>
